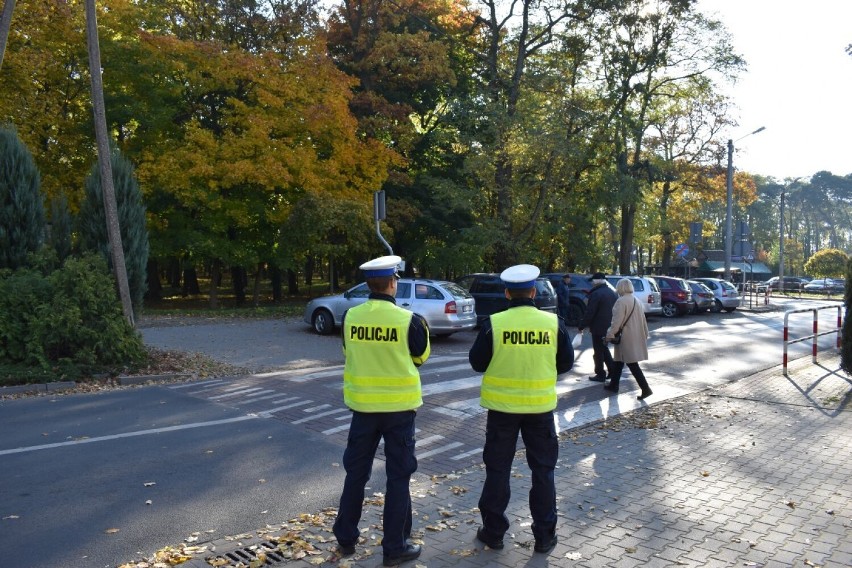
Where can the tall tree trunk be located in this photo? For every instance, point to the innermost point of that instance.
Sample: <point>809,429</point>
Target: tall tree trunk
<point>292,282</point>
<point>155,289</point>
<point>275,278</point>
<point>190,282</point>
<point>5,25</point>
<point>628,214</point>
<point>239,280</point>
<point>256,291</point>
<point>104,162</point>
<point>215,272</point>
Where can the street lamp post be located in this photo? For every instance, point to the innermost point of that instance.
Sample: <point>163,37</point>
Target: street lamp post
<point>781,245</point>
<point>729,237</point>
<point>781,238</point>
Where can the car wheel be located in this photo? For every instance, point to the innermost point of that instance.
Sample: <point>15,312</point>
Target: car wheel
<point>323,322</point>
<point>669,309</point>
<point>717,307</point>
<point>729,310</point>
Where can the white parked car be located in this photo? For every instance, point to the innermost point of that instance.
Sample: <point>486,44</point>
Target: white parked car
<point>446,306</point>
<point>727,297</point>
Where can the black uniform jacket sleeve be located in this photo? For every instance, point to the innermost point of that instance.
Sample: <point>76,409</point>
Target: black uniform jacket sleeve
<point>418,332</point>
<point>482,350</point>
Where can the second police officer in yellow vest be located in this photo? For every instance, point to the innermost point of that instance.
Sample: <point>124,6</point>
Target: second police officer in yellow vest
<point>384,344</point>
<point>520,351</point>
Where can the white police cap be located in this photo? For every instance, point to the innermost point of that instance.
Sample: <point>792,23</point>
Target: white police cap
<point>520,276</point>
<point>382,266</point>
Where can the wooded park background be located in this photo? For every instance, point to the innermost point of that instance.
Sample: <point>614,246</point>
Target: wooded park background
<point>578,136</point>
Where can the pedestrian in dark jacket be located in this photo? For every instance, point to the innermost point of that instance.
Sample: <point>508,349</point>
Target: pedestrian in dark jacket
<point>597,319</point>
<point>563,294</point>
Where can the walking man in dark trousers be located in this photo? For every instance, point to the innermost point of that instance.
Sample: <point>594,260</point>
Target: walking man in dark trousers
<point>384,345</point>
<point>520,351</point>
<point>597,319</point>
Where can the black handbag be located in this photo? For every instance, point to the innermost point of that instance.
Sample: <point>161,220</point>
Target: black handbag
<point>616,339</point>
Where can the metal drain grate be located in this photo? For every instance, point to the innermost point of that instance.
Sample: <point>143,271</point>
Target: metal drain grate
<point>247,554</point>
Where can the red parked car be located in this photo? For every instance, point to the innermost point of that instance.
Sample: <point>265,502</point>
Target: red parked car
<point>676,296</point>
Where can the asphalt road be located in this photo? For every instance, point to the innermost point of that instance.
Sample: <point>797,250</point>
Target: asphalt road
<point>73,469</point>
<point>97,479</point>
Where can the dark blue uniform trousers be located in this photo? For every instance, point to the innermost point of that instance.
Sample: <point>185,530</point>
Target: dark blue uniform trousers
<point>542,447</point>
<point>365,431</point>
<point>602,357</point>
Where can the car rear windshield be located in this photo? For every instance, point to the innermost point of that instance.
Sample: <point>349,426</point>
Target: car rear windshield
<point>456,291</point>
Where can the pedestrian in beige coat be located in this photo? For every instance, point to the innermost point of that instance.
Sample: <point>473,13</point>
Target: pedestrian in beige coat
<point>629,317</point>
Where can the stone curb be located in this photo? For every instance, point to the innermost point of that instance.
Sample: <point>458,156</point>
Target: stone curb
<point>124,380</point>
<point>141,379</point>
<point>38,387</point>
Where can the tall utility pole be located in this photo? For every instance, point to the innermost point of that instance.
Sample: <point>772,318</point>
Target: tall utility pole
<point>104,163</point>
<point>781,244</point>
<point>781,236</point>
<point>729,213</point>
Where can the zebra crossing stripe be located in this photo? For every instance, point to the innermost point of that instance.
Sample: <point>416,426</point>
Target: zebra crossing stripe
<point>286,399</point>
<point>271,411</point>
<point>440,450</point>
<point>319,415</point>
<point>259,398</point>
<point>427,441</point>
<point>450,386</point>
<point>315,408</point>
<point>199,391</point>
<point>195,384</point>
<point>235,393</point>
<point>336,429</point>
<point>466,454</point>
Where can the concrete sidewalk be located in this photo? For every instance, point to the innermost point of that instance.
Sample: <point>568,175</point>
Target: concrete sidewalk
<point>753,473</point>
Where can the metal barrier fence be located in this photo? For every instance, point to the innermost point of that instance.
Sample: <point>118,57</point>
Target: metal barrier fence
<point>816,333</point>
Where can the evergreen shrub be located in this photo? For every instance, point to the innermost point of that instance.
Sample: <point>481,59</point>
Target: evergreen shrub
<point>22,221</point>
<point>131,219</point>
<point>64,324</point>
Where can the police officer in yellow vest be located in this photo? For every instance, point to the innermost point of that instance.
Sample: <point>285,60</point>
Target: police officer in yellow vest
<point>520,350</point>
<point>384,344</point>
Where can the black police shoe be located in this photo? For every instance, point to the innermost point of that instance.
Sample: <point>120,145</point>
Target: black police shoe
<point>345,549</point>
<point>597,379</point>
<point>494,543</point>
<point>546,545</point>
<point>410,552</point>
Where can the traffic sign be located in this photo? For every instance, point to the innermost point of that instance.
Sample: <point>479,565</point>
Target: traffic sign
<point>682,250</point>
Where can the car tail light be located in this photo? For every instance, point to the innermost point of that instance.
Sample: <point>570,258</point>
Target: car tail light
<point>651,299</point>
<point>451,308</point>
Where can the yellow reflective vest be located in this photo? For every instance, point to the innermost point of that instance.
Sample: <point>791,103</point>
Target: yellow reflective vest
<point>521,377</point>
<point>379,374</point>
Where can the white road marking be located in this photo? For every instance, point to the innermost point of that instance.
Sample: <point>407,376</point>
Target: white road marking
<point>128,435</point>
<point>440,450</point>
<point>235,393</point>
<point>319,415</point>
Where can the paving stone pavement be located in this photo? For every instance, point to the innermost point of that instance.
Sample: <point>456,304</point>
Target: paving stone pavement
<point>753,473</point>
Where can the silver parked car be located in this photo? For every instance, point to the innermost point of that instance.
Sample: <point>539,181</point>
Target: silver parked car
<point>727,297</point>
<point>645,289</point>
<point>447,307</point>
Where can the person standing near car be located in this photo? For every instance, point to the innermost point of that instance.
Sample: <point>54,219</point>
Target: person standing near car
<point>520,351</point>
<point>597,319</point>
<point>563,294</point>
<point>628,317</point>
<point>384,345</point>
